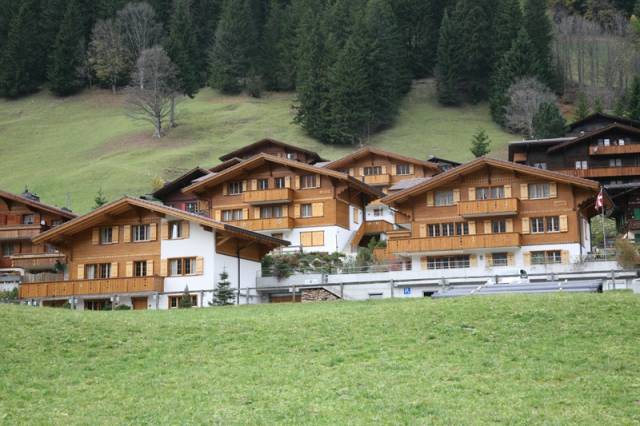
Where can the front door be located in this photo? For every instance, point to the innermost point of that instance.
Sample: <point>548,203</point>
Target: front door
<point>139,303</point>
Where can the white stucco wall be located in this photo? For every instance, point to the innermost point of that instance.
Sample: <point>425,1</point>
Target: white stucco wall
<point>387,213</point>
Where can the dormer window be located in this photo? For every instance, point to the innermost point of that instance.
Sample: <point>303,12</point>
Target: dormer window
<point>403,169</point>
<point>234,188</point>
<point>373,171</point>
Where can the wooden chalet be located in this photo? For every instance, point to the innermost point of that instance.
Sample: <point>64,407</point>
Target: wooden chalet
<point>275,148</point>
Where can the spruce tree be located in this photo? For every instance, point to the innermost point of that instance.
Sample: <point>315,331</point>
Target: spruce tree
<point>233,51</point>
<point>99,200</point>
<point>223,294</point>
<point>598,107</point>
<point>279,48</point>
<point>633,100</point>
<point>508,22</point>
<point>185,299</point>
<point>538,26</point>
<point>582,107</point>
<point>474,32</point>
<point>205,15</point>
<point>68,53</point>
<point>449,65</point>
<point>182,48</point>
<point>480,143</point>
<point>548,122</point>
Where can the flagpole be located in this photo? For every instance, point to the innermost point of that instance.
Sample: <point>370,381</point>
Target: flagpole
<point>604,234</point>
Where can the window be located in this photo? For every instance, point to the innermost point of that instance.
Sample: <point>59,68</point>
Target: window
<point>581,165</point>
<point>490,193</point>
<point>546,257</point>
<point>462,228</point>
<point>553,224</point>
<point>621,142</point>
<point>56,222</point>
<point>538,190</point>
<point>537,225</point>
<point>140,268</point>
<point>182,266</point>
<point>443,198</point>
<point>636,213</point>
<point>140,232</point>
<point>174,301</point>
<point>499,259</point>
<point>263,184</point>
<point>229,215</point>
<point>279,182</point>
<point>373,171</point>
<point>175,230</point>
<point>448,229</point>
<point>542,166</point>
<point>498,226</point>
<point>403,169</point>
<point>191,206</point>
<point>378,211</point>
<point>433,230</point>
<point>607,142</point>
<point>28,219</point>
<point>8,249</point>
<point>306,210</point>
<point>292,156</point>
<point>615,162</point>
<point>375,295</point>
<point>269,212</point>
<point>308,181</point>
<point>448,262</point>
<point>97,271</point>
<point>106,235</point>
<point>234,188</point>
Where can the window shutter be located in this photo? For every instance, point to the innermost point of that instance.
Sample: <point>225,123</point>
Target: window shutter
<point>203,206</point>
<point>489,258</point>
<point>352,172</point>
<point>507,191</point>
<point>80,271</point>
<point>356,215</point>
<point>318,181</point>
<point>383,169</point>
<point>456,196</point>
<point>394,169</point>
<point>186,227</point>
<point>199,265</point>
<point>163,268</point>
<point>256,212</point>
<point>411,170</point>
<point>153,231</point>
<point>296,210</point>
<point>510,259</point>
<point>317,238</point>
<point>317,209</point>
<point>524,191</point>
<point>509,223</point>
<point>564,226</point>
<point>361,170</point>
<point>423,263</point>
<point>127,234</point>
<point>285,211</point>
<point>225,189</point>
<point>164,230</point>
<point>527,258</point>
<point>305,239</point>
<point>149,268</point>
<point>254,184</point>
<point>115,234</point>
<point>525,226</point>
<point>297,182</point>
<point>95,236</point>
<point>472,228</point>
<point>128,269</point>
<point>422,230</point>
<point>217,215</point>
<point>113,273</point>
<point>553,190</point>
<point>487,226</point>
<point>429,199</point>
<point>473,261</point>
<point>564,257</point>
<point>245,214</point>
<point>472,194</point>
<point>287,181</point>
<point>244,186</point>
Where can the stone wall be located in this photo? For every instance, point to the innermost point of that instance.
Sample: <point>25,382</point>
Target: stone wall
<point>317,295</point>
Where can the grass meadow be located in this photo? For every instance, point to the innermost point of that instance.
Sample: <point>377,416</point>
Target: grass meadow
<point>544,359</point>
<point>65,149</point>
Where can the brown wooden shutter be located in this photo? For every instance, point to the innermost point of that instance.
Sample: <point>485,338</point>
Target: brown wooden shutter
<point>245,214</point>
<point>128,269</point>
<point>80,271</point>
<point>564,225</point>
<point>524,191</point>
<point>473,261</point>
<point>352,172</point>
<point>472,227</point>
<point>113,272</point>
<point>254,184</point>
<point>149,268</point>
<point>165,229</point>
<point>305,239</point>
<point>153,231</point>
<point>296,211</point>
<point>527,258</point>
<point>487,226</point>
<point>383,169</point>
<point>115,232</point>
<point>526,227</point>
<point>217,215</point>
<point>510,259</point>
<point>163,267</point>
<point>422,230</point>
<point>225,189</point>
<point>95,236</point>
<point>507,191</point>
<point>509,223</point>
<point>565,257</point>
<point>472,194</point>
<point>356,215</point>
<point>244,186</point>
<point>489,258</point>
<point>553,190</point>
<point>256,212</point>
<point>318,238</point>
<point>411,169</point>
<point>394,170</point>
<point>317,209</point>
<point>126,237</point>
<point>297,182</point>
<point>361,170</point>
<point>424,264</point>
<point>186,228</point>
<point>430,199</point>
<point>287,181</point>
<point>318,181</point>
<point>285,211</point>
<point>456,196</point>
<point>199,265</point>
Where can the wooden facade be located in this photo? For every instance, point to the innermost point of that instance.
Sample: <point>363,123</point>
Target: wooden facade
<point>275,148</point>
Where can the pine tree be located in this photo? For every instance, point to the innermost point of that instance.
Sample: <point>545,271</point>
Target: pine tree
<point>182,47</point>
<point>185,299</point>
<point>508,22</point>
<point>279,48</point>
<point>414,19</point>
<point>205,15</point>
<point>223,294</point>
<point>633,99</point>
<point>538,27</point>
<point>475,32</point>
<point>22,69</point>
<point>480,143</point>
<point>548,122</point>
<point>449,65</point>
<point>620,107</point>
<point>68,53</point>
<point>598,107</point>
<point>99,200</point>
<point>233,51</point>
<point>582,107</point>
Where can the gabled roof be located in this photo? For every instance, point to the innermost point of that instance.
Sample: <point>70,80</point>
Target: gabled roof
<point>590,135</point>
<point>434,159</point>
<point>226,164</point>
<point>596,115</point>
<point>268,141</point>
<point>363,152</point>
<point>479,164</point>
<point>180,182</point>
<point>37,205</point>
<point>125,203</point>
<point>260,159</point>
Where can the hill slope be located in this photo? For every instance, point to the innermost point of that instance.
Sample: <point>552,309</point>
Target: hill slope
<point>555,359</point>
<point>60,146</point>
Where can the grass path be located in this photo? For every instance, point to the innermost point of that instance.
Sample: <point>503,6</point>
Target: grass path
<point>71,147</point>
<point>547,359</point>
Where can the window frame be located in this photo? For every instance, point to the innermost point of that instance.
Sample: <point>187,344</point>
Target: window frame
<point>136,233</point>
<point>234,188</point>
<point>174,301</point>
<point>106,235</point>
<point>279,183</point>
<point>403,169</point>
<point>537,225</point>
<point>139,268</point>
<point>182,264</point>
<point>372,170</point>
<point>499,226</point>
<point>443,198</point>
<point>191,206</point>
<point>552,224</point>
<point>533,190</point>
<point>262,184</point>
<point>308,182</point>
<point>306,210</point>
<point>28,219</point>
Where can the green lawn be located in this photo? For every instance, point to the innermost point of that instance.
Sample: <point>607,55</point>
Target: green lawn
<point>68,148</point>
<point>546,359</point>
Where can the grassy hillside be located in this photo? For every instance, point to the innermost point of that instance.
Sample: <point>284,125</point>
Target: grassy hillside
<point>76,145</point>
<point>553,359</point>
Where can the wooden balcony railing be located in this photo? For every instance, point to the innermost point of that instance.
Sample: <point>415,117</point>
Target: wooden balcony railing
<point>441,244</point>
<point>268,196</point>
<point>614,149</point>
<point>91,287</point>
<point>480,208</point>
<point>18,232</point>
<point>602,172</point>
<point>377,226</point>
<point>35,261</point>
<point>265,224</point>
<point>377,179</point>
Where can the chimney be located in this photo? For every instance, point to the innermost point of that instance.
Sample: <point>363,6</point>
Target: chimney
<point>29,195</point>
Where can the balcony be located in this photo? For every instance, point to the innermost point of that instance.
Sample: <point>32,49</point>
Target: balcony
<point>275,223</point>
<point>36,261</point>
<point>614,149</point>
<point>18,232</point>
<point>268,196</point>
<point>378,227</point>
<point>91,287</point>
<point>377,180</point>
<point>482,208</point>
<point>446,244</point>
<point>602,172</point>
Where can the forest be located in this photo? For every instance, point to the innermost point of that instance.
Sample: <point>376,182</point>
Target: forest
<point>350,62</point>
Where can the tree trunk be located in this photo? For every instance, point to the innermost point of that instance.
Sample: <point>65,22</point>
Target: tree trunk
<point>113,88</point>
<point>158,132</point>
<point>172,114</point>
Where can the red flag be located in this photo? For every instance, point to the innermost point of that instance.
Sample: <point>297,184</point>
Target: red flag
<point>600,200</point>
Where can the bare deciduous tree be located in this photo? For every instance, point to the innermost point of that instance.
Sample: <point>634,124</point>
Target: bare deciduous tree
<point>525,97</point>
<point>154,86</point>
<point>107,54</point>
